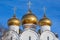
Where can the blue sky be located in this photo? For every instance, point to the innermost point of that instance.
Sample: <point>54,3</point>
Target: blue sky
<point>52,12</point>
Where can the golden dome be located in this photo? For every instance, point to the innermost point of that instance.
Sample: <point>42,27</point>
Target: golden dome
<point>45,21</point>
<point>29,18</point>
<point>14,21</point>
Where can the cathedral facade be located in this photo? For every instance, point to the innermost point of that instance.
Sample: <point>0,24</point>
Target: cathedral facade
<point>29,22</point>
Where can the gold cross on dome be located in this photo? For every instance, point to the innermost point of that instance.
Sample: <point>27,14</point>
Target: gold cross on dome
<point>14,12</point>
<point>45,12</point>
<point>44,9</point>
<point>29,4</point>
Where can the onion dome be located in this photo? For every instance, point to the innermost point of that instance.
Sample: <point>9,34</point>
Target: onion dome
<point>45,21</point>
<point>29,18</point>
<point>14,21</point>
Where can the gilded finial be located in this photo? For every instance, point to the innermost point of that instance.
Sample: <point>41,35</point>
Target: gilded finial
<point>44,15</point>
<point>29,11</point>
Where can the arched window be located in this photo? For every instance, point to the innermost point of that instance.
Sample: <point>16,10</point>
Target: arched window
<point>29,37</point>
<point>48,38</point>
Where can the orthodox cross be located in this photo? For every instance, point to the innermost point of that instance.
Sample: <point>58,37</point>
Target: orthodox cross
<point>14,12</point>
<point>29,4</point>
<point>44,9</point>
